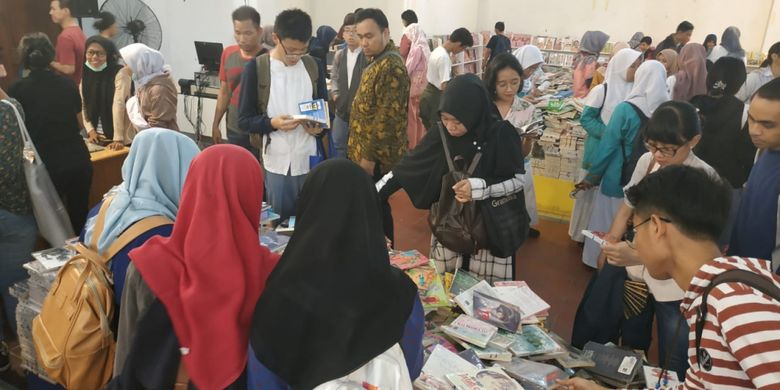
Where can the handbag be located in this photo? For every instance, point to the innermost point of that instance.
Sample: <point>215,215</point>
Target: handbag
<point>635,293</point>
<point>507,223</point>
<point>457,226</point>
<point>50,214</point>
<point>600,312</point>
<point>320,156</point>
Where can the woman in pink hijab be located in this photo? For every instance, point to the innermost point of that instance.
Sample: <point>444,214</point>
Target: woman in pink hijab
<point>691,78</point>
<point>417,66</point>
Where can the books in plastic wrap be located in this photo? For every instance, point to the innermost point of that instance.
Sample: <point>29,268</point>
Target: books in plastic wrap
<point>487,379</point>
<point>443,361</point>
<point>500,341</point>
<point>408,259</point>
<point>471,356</point>
<point>462,281</point>
<point>466,299</point>
<point>492,353</point>
<point>431,340</point>
<point>533,341</point>
<point>615,366</point>
<point>497,312</point>
<point>433,296</point>
<point>54,258</point>
<point>533,375</point>
<point>520,294</point>
<point>471,330</point>
<point>573,357</point>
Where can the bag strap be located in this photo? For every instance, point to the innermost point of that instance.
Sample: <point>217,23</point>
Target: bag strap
<point>182,377</point>
<point>450,163</point>
<point>134,232</point>
<point>748,278</point>
<point>26,139</point>
<point>474,163</point>
<point>100,221</point>
<point>776,252</point>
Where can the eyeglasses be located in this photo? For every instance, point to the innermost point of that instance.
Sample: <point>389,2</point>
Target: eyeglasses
<point>350,30</point>
<point>665,151</point>
<point>293,56</point>
<point>636,227</point>
<point>95,53</point>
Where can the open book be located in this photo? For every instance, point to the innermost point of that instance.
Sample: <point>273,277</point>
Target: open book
<point>315,111</point>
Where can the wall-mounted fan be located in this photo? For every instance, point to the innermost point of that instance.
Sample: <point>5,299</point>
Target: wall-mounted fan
<point>137,23</point>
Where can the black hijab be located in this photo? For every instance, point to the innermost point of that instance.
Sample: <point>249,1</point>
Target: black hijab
<point>333,302</point>
<point>98,87</point>
<point>466,98</point>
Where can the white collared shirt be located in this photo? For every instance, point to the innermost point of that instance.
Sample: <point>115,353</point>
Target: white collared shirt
<point>352,57</point>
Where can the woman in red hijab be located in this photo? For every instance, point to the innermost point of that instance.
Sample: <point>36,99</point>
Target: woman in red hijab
<point>206,277</point>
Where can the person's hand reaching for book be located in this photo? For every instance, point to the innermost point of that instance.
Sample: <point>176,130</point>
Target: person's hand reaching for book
<point>93,136</point>
<point>284,123</point>
<point>462,191</point>
<point>312,128</point>
<point>577,384</point>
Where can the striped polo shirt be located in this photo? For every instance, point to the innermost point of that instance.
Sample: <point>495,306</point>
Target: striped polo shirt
<point>742,331</point>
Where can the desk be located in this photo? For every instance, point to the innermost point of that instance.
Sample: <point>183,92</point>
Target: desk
<point>107,172</point>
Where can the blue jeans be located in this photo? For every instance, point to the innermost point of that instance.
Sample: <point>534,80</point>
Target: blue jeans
<point>17,239</point>
<point>243,141</point>
<point>340,137</point>
<point>282,192</point>
<point>669,317</point>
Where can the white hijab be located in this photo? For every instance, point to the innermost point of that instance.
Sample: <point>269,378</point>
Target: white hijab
<point>528,56</point>
<point>145,62</point>
<point>649,89</point>
<point>617,86</point>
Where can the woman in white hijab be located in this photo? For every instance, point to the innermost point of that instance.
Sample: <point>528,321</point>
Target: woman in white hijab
<point>531,59</point>
<point>617,144</point>
<point>155,102</point>
<point>599,106</point>
<point>729,46</point>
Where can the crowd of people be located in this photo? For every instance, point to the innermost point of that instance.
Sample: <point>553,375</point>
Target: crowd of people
<point>681,171</point>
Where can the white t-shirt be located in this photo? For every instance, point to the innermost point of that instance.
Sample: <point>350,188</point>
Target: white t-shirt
<point>755,80</point>
<point>439,67</point>
<point>663,290</point>
<point>288,150</point>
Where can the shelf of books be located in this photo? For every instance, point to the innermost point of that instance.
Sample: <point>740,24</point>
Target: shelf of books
<point>468,61</point>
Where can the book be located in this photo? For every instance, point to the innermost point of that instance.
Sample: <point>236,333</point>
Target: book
<point>434,296</point>
<point>653,378</point>
<point>520,294</point>
<point>431,340</point>
<point>423,277</point>
<point>597,237</point>
<point>274,241</point>
<point>287,227</point>
<point>500,341</point>
<point>573,357</point>
<point>54,258</point>
<point>471,356</point>
<point>533,341</point>
<point>429,382</point>
<point>487,379</point>
<point>466,299</point>
<point>442,362</point>
<point>448,281</point>
<point>470,330</point>
<point>533,375</point>
<point>617,366</point>
<point>315,111</point>
<point>462,281</point>
<point>408,259</point>
<point>497,312</point>
<point>492,353</point>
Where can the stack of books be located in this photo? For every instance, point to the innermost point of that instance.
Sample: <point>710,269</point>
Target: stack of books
<point>423,273</point>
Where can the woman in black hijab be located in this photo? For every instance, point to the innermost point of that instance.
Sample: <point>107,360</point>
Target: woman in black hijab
<point>725,142</point>
<point>334,303</point>
<point>471,126</point>
<point>98,86</point>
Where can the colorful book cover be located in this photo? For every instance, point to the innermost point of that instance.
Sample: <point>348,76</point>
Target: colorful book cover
<point>423,277</point>
<point>520,294</point>
<point>653,378</point>
<point>408,259</point>
<point>314,111</point>
<point>466,299</point>
<point>435,296</point>
<point>471,330</point>
<point>487,379</point>
<point>448,277</point>
<point>431,340</point>
<point>497,312</point>
<point>533,341</point>
<point>462,281</point>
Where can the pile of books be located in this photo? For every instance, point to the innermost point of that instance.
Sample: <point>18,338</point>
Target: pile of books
<point>423,273</point>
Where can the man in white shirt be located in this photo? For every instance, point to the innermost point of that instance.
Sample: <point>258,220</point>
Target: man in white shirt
<point>268,102</point>
<point>439,73</point>
<point>770,69</point>
<point>348,65</point>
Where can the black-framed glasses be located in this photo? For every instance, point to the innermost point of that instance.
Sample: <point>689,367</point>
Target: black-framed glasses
<point>634,229</point>
<point>665,151</point>
<point>293,56</point>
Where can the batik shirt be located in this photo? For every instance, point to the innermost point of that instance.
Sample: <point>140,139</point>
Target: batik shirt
<point>13,186</point>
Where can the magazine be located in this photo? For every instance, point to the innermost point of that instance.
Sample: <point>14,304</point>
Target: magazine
<point>471,330</point>
<point>533,341</point>
<point>487,379</point>
<point>497,312</point>
<point>315,111</point>
<point>408,259</point>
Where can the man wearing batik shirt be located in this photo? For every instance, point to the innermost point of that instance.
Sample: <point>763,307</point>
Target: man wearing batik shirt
<point>680,213</point>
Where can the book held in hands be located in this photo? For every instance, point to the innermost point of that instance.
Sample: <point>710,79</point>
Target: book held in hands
<point>315,111</point>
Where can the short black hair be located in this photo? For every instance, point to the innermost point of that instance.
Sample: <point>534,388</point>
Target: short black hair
<point>697,202</point>
<point>349,19</point>
<point>685,26</point>
<point>647,40</point>
<point>500,26</point>
<point>374,14</point>
<point>769,91</point>
<point>104,21</point>
<point>409,17</point>
<point>246,12</point>
<point>463,37</point>
<point>293,24</point>
<point>36,51</point>
<point>673,123</point>
<point>65,4</point>
<point>499,63</point>
<point>775,49</point>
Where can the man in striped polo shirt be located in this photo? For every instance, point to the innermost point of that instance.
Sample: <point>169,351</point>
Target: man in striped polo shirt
<point>679,215</point>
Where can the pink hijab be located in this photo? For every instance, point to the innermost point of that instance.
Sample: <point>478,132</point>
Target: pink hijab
<point>417,60</point>
<point>692,74</point>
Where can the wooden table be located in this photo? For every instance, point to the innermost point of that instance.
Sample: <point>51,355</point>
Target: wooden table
<point>107,172</point>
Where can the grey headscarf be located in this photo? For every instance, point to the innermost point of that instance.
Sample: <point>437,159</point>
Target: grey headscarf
<point>730,41</point>
<point>636,39</point>
<point>590,47</point>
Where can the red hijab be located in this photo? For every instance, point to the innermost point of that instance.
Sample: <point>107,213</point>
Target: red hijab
<point>211,271</point>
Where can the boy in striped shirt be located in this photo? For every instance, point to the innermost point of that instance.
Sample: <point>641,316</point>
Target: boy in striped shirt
<point>679,215</point>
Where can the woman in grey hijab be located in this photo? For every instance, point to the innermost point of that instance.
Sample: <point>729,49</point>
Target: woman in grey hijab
<point>635,40</point>
<point>729,46</point>
<point>586,60</point>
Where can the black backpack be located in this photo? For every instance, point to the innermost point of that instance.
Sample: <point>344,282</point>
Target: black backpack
<point>638,149</point>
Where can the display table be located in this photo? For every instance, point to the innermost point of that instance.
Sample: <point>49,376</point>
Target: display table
<point>107,172</point>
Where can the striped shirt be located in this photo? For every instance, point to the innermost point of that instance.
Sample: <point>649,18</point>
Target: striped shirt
<point>742,331</point>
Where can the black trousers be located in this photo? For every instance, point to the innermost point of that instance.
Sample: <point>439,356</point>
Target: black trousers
<point>73,184</point>
<point>387,213</point>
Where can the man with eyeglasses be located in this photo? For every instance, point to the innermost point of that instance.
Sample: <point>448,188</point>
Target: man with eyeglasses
<point>732,325</point>
<point>273,85</point>
<point>348,65</point>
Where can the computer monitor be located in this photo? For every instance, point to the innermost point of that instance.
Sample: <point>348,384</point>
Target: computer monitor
<point>209,55</point>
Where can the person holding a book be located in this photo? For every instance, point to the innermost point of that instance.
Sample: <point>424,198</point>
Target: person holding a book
<point>348,65</point>
<point>470,126</point>
<point>680,214</point>
<point>273,87</point>
<point>203,282</point>
<point>334,311</point>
